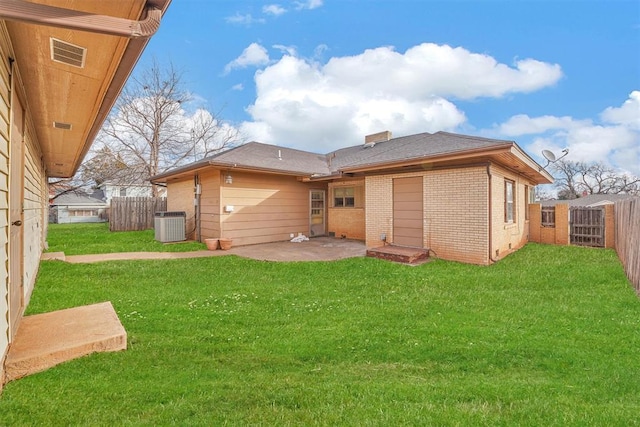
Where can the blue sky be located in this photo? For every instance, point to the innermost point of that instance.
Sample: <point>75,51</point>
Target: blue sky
<point>320,74</point>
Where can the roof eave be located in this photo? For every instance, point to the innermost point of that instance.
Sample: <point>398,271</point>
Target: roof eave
<point>130,58</point>
<point>460,155</point>
<point>545,176</point>
<point>224,166</point>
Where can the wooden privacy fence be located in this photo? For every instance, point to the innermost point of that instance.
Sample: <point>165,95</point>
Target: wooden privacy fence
<point>628,238</point>
<point>134,213</point>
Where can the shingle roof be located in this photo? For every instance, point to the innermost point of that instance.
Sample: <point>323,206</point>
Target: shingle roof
<point>422,145</point>
<point>73,199</point>
<point>265,156</point>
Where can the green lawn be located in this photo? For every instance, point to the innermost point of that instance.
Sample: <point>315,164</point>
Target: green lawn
<point>95,238</point>
<point>549,336</point>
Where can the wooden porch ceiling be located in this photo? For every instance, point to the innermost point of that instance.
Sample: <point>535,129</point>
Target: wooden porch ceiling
<point>68,103</point>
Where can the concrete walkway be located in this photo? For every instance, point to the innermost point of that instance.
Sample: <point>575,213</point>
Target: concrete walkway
<point>316,249</point>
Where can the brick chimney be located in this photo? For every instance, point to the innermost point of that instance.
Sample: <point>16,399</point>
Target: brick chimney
<point>377,137</point>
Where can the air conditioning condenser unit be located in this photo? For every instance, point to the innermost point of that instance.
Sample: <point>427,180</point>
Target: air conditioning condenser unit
<point>170,226</point>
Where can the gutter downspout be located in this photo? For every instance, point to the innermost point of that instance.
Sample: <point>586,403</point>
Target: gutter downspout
<point>490,214</point>
<point>41,14</point>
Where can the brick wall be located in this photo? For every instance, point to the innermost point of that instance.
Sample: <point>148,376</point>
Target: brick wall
<point>348,222</point>
<point>560,233</point>
<point>507,237</point>
<point>455,212</point>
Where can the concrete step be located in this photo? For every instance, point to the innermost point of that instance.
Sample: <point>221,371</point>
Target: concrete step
<point>45,340</point>
<point>400,254</point>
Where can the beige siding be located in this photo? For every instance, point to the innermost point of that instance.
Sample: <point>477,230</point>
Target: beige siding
<point>34,202</point>
<point>455,210</point>
<point>210,182</point>
<point>180,197</point>
<point>35,211</point>
<point>266,208</point>
<point>4,198</point>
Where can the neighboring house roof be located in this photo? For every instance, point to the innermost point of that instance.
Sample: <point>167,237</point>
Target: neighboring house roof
<point>71,95</point>
<point>123,184</point>
<point>590,200</point>
<point>394,153</point>
<point>78,200</point>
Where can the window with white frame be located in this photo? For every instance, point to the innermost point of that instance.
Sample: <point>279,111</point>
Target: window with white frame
<point>509,196</point>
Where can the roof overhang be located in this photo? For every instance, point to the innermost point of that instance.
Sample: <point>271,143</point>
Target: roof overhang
<point>508,155</point>
<point>190,170</point>
<point>69,100</point>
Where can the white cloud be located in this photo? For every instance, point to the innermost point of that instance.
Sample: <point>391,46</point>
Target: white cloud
<point>615,142</point>
<point>247,19</point>
<point>238,87</point>
<point>431,69</point>
<point>289,50</point>
<point>522,124</point>
<point>253,55</point>
<point>308,4</point>
<point>628,114</point>
<point>273,9</point>
<point>303,103</point>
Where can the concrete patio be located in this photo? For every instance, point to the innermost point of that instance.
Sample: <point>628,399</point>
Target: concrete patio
<point>316,249</point>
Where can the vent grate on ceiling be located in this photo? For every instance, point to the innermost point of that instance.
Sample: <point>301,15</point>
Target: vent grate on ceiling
<point>67,53</point>
<point>61,125</point>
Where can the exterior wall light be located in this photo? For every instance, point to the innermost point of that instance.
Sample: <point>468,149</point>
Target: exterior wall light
<point>228,179</point>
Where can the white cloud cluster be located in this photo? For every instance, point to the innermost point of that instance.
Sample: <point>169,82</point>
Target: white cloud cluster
<point>614,141</point>
<point>308,4</point>
<point>253,55</point>
<point>272,10</point>
<point>247,19</point>
<point>303,103</point>
<point>317,106</point>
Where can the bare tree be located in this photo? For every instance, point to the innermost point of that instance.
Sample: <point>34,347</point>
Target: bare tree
<point>565,173</point>
<point>100,165</point>
<point>576,178</point>
<point>150,130</point>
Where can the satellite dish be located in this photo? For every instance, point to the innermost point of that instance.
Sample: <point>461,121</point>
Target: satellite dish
<point>551,158</point>
<point>549,155</point>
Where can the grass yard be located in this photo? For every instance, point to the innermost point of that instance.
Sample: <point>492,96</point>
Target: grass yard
<point>549,336</point>
<point>95,238</point>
